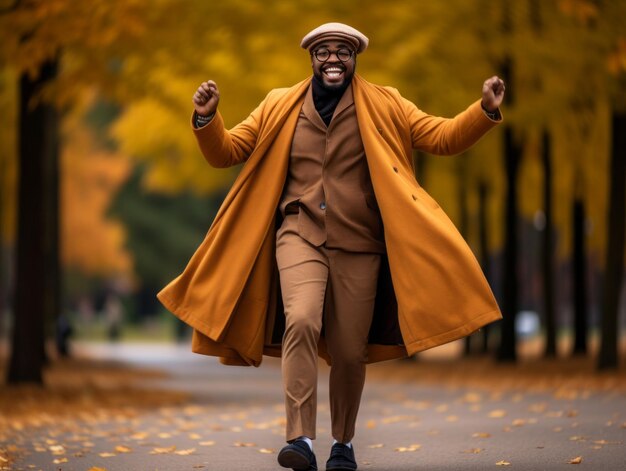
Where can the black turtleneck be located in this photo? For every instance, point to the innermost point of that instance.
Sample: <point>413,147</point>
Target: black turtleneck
<point>326,99</point>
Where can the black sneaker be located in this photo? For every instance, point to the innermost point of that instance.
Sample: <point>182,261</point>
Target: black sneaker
<point>341,458</point>
<point>297,456</point>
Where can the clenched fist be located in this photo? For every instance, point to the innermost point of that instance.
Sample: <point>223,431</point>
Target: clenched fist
<point>206,98</point>
<point>493,93</point>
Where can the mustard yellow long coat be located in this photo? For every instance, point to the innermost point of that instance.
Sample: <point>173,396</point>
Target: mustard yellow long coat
<point>432,290</point>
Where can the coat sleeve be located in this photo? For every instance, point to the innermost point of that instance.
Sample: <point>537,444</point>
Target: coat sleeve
<point>225,148</point>
<point>447,136</point>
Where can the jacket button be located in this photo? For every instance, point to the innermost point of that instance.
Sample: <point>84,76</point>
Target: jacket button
<point>322,205</point>
<point>380,130</point>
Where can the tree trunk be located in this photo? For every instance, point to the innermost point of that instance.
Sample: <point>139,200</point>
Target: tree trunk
<point>483,236</point>
<point>38,152</point>
<point>508,340</point>
<point>579,261</point>
<point>614,267</point>
<point>507,351</point>
<point>547,263</point>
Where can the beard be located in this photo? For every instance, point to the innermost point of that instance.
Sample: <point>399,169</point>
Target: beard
<point>334,86</point>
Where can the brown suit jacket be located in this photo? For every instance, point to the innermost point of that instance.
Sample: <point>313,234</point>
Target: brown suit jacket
<point>328,179</point>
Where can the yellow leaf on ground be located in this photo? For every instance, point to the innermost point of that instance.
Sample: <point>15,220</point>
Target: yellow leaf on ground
<point>266,450</point>
<point>481,435</point>
<point>474,450</point>
<point>414,447</point>
<point>122,449</point>
<point>195,436</point>
<point>160,451</point>
<point>503,463</point>
<point>577,460</point>
<point>186,452</point>
<point>495,414</point>
<point>94,468</point>
<point>57,449</point>
<point>208,443</point>
<point>376,445</point>
<point>371,424</point>
<point>106,455</point>
<point>243,444</point>
<point>60,460</point>
<point>3,459</point>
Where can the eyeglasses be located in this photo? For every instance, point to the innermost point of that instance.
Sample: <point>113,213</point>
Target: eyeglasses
<point>322,55</point>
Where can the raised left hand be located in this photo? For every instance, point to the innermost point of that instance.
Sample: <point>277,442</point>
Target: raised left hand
<point>493,93</point>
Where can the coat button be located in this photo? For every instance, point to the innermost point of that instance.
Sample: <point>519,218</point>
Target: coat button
<point>322,205</point>
<point>380,130</point>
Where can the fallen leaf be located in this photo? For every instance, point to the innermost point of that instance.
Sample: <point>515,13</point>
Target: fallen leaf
<point>186,452</point>
<point>208,443</point>
<point>94,468</point>
<point>474,450</point>
<point>413,447</point>
<point>577,438</point>
<point>496,414</point>
<point>122,449</point>
<point>3,459</point>
<point>518,422</point>
<point>266,450</point>
<point>577,460</point>
<point>472,397</point>
<point>503,463</point>
<point>160,451</point>
<point>194,436</point>
<point>60,460</point>
<point>106,455</point>
<point>376,445</point>
<point>481,435</point>
<point>164,435</point>
<point>57,449</point>
<point>371,424</point>
<point>242,444</point>
<point>452,418</point>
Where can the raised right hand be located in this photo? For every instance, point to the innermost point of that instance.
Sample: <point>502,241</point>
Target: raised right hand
<point>206,98</point>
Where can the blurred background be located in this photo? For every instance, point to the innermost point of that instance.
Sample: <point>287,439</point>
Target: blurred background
<point>104,195</point>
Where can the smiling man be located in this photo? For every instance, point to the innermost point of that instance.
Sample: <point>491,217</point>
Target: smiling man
<point>326,244</point>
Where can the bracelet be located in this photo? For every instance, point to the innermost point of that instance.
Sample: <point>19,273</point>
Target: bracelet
<point>495,115</point>
<point>203,120</point>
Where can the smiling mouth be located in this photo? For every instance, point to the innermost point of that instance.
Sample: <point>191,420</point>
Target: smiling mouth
<point>333,72</point>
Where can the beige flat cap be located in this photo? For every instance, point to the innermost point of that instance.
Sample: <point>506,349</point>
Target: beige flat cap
<point>335,31</point>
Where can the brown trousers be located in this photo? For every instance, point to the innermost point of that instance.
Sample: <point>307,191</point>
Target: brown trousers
<point>338,289</point>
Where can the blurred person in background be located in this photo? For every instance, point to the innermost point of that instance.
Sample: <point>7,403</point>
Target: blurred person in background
<point>326,244</point>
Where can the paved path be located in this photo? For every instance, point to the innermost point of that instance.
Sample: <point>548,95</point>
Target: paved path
<point>235,421</point>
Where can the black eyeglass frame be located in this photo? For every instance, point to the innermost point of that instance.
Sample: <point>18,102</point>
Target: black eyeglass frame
<point>330,53</point>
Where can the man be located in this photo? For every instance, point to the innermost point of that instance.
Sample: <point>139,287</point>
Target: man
<point>326,244</point>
